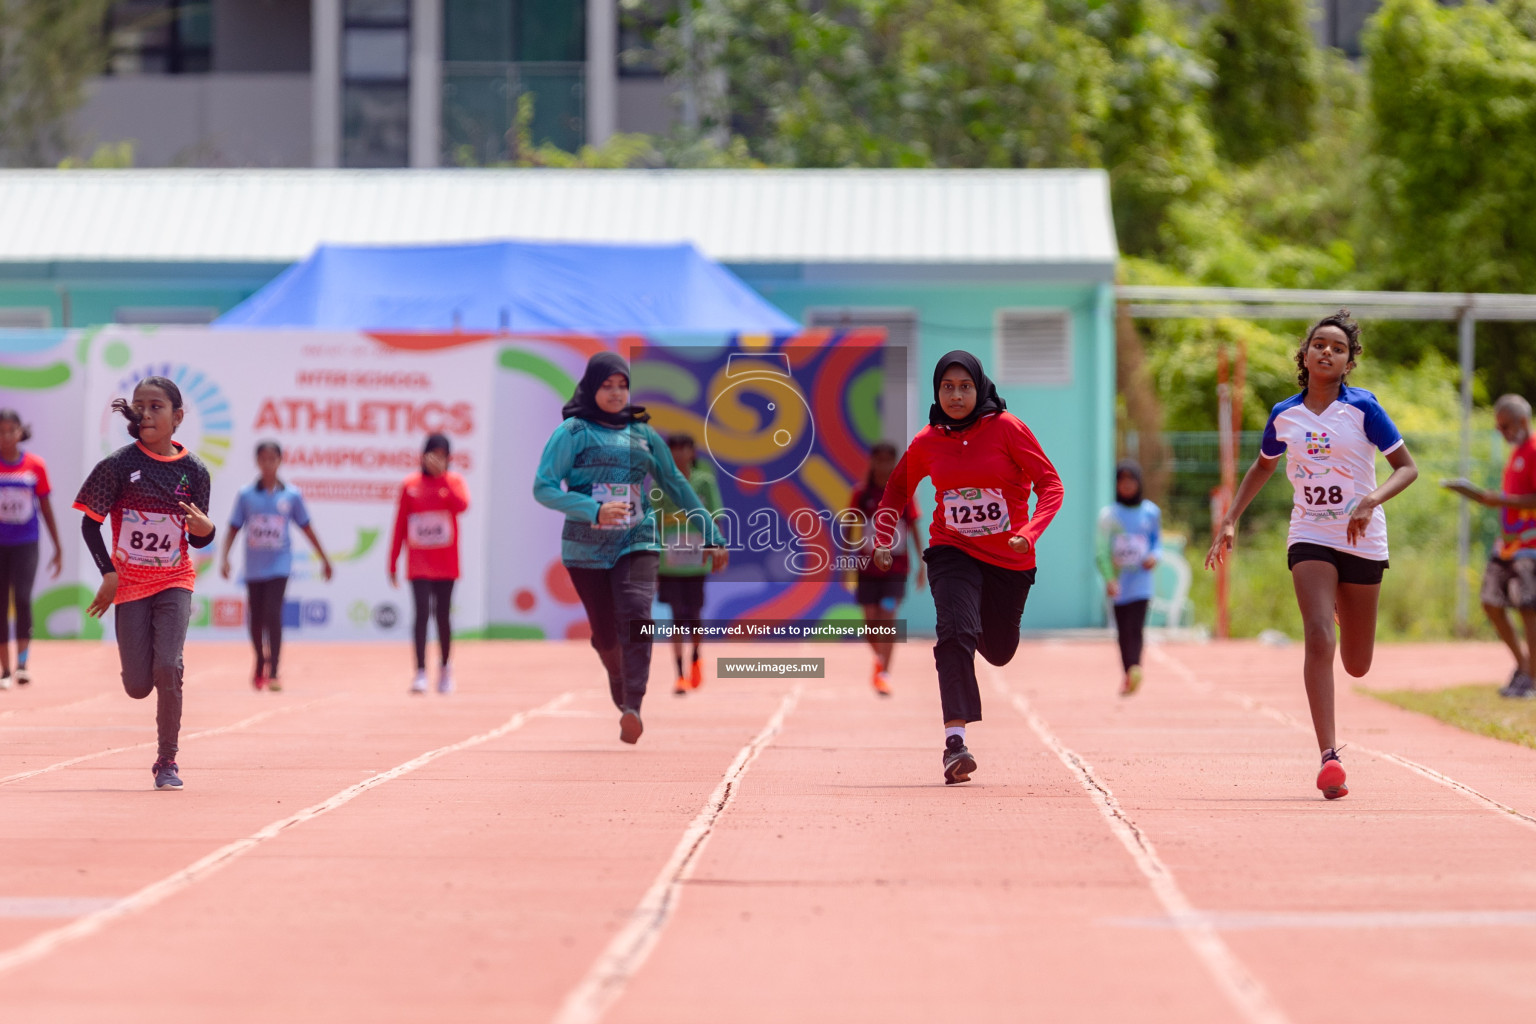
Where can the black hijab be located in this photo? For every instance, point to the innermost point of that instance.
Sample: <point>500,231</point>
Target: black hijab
<point>987,398</point>
<point>583,403</point>
<point>1129,468</point>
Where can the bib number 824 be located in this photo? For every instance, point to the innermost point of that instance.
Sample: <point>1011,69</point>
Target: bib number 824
<point>1321,495</point>
<point>150,543</point>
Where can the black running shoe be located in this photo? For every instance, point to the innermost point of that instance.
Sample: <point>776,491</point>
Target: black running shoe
<point>630,726</point>
<point>1516,681</point>
<point>958,762</point>
<point>165,775</point>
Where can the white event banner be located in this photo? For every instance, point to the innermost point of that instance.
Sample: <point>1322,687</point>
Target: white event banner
<point>351,412</point>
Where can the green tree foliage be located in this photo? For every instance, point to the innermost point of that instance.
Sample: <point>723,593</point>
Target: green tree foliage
<point>960,83</point>
<point>48,48</point>
<point>1453,93</point>
<point>894,83</point>
<point>1453,98</point>
<point>1267,76</point>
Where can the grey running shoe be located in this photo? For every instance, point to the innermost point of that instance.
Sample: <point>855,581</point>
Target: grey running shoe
<point>1524,689</point>
<point>165,775</point>
<point>630,726</point>
<point>1515,679</point>
<point>958,762</point>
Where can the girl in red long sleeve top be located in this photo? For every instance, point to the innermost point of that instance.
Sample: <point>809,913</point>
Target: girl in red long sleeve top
<point>427,526</point>
<point>984,462</point>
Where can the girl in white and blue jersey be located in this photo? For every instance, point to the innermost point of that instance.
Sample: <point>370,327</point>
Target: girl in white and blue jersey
<point>1337,548</point>
<point>264,509</point>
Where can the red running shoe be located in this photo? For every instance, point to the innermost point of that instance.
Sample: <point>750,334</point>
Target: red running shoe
<point>259,681</point>
<point>1330,778</point>
<point>696,674</point>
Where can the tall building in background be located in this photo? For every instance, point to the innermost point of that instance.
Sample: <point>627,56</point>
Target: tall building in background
<point>368,83</point>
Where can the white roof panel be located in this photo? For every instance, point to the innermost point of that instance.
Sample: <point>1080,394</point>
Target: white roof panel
<point>756,216</point>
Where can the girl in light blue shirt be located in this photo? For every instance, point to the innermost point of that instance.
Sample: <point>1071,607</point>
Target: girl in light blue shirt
<point>1130,532</point>
<point>264,509</point>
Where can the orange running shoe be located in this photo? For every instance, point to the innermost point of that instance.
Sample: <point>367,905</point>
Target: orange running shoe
<point>1330,778</point>
<point>680,687</point>
<point>696,674</point>
<point>882,682</point>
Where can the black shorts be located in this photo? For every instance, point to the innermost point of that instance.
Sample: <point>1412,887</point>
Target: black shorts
<point>1352,568</point>
<point>879,590</point>
<point>683,594</point>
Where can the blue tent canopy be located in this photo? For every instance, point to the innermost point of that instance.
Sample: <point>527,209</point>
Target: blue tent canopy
<point>518,286</point>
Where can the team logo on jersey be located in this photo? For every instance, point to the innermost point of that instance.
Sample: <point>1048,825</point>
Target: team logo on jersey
<point>1318,446</point>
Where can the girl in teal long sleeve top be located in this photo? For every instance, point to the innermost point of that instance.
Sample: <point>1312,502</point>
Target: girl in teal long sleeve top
<point>603,452</point>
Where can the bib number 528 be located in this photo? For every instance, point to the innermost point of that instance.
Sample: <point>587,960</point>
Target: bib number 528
<point>1321,495</point>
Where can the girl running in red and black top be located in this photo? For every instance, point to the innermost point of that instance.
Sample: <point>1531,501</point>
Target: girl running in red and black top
<point>24,494</point>
<point>879,591</point>
<point>981,560</point>
<point>427,525</point>
<point>157,495</point>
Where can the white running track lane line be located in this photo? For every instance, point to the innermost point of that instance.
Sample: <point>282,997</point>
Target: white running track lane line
<point>215,731</point>
<point>611,972</point>
<point>1483,800</point>
<point>1246,993</point>
<point>52,707</point>
<point>41,945</point>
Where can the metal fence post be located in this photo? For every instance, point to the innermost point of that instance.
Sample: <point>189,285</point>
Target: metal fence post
<point>1466,327</point>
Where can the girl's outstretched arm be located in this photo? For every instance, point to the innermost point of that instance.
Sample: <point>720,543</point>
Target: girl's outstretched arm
<point>1253,481</point>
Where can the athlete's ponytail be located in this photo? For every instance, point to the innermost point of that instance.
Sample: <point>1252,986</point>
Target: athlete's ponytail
<point>164,384</point>
<point>12,416</point>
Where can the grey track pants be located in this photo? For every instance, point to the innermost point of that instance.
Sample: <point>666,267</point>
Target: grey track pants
<point>150,635</point>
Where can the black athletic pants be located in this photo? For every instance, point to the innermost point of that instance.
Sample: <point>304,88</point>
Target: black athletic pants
<point>18,571</point>
<point>979,606</point>
<point>616,599</point>
<point>1130,619</point>
<point>433,598</point>
<point>264,610</point>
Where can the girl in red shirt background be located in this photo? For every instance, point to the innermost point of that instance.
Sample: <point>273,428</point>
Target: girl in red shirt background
<point>984,462</point>
<point>427,526</point>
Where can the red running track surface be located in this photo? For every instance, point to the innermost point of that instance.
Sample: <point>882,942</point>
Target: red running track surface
<point>770,851</point>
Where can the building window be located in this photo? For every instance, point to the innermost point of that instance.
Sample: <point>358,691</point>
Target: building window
<point>495,53</point>
<point>160,37</point>
<point>376,83</point>
<point>1033,347</point>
